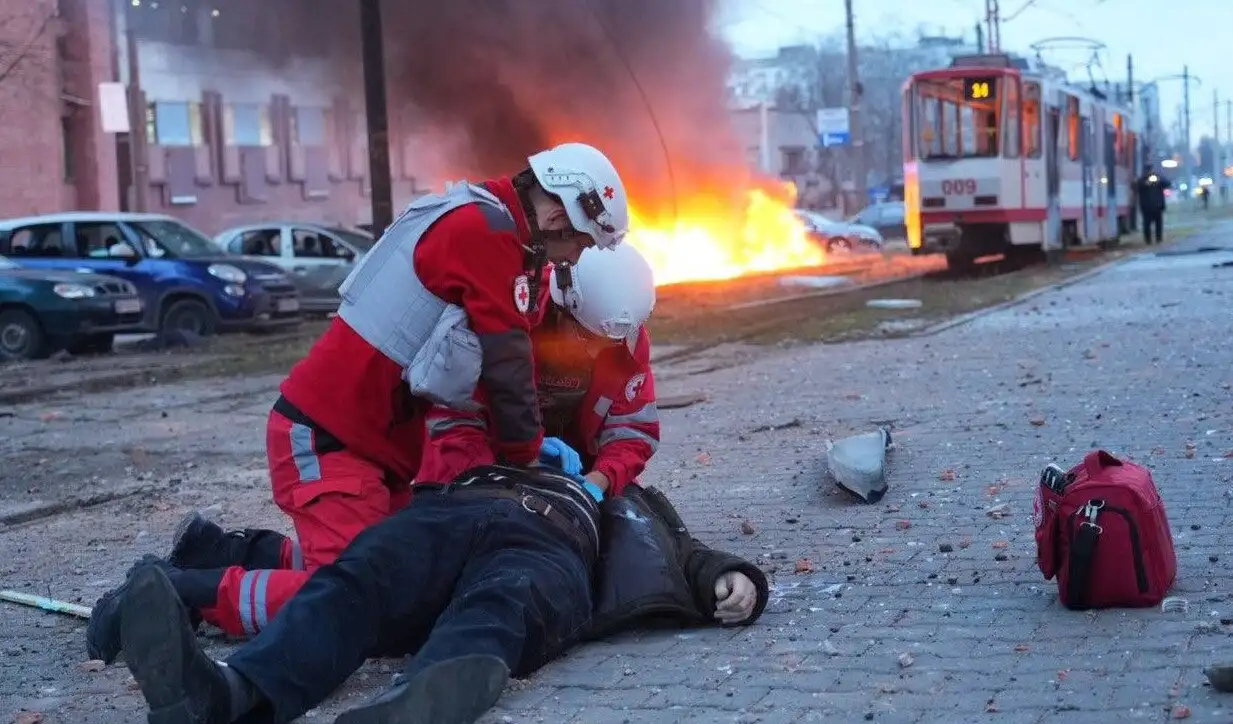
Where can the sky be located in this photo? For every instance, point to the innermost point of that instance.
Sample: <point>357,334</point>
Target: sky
<point>1162,37</point>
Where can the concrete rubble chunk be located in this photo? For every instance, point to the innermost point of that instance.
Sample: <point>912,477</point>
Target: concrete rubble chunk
<point>857,464</point>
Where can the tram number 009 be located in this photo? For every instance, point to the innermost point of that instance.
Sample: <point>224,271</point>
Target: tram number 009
<point>959,187</point>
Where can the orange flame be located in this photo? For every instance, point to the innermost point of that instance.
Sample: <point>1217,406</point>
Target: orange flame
<point>710,240</point>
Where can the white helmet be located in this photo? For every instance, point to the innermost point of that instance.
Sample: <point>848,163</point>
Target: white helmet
<point>610,292</point>
<point>589,187</point>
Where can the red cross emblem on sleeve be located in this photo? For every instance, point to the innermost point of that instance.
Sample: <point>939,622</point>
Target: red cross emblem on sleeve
<point>609,192</point>
<point>522,294</point>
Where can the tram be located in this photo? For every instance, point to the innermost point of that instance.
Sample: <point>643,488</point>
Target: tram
<point>1001,157</point>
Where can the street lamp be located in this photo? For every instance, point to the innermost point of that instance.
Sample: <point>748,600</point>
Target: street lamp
<point>1186,78</point>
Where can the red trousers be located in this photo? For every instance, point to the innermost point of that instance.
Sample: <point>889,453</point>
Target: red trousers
<point>330,495</point>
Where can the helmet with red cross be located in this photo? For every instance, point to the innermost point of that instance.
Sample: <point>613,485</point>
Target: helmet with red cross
<point>589,188</point>
<point>610,292</point>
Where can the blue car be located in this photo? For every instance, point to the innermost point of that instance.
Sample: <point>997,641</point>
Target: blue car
<point>185,281</point>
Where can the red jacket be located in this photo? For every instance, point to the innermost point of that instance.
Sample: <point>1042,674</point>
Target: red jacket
<point>472,258</point>
<point>615,426</point>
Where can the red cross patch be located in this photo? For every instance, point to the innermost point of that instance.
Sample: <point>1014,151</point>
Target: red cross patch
<point>609,192</point>
<point>522,294</point>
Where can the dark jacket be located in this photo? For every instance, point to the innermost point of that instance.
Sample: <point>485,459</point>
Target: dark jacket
<point>1150,191</point>
<point>651,568</point>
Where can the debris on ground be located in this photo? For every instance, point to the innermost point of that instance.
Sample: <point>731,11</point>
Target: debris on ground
<point>747,528</point>
<point>804,565</point>
<point>857,464</point>
<point>1220,677</point>
<point>814,282</point>
<point>1174,604</point>
<point>676,402</point>
<point>1181,711</point>
<point>999,511</point>
<point>947,475</point>
<point>894,304</point>
<point>793,423</point>
<point>905,660</point>
<point>47,604</point>
<point>1037,421</point>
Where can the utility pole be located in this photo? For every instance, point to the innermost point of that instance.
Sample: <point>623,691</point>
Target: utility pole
<point>1130,83</point>
<point>994,22</point>
<point>856,135</point>
<point>980,38</point>
<point>1217,154</point>
<point>1186,123</point>
<point>376,114</point>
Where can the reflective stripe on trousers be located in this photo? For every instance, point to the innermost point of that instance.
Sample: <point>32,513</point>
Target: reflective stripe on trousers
<point>252,604</point>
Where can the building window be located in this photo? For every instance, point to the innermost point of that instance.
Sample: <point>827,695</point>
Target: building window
<point>247,124</point>
<point>309,126</point>
<point>66,140</point>
<point>174,124</point>
<point>794,161</point>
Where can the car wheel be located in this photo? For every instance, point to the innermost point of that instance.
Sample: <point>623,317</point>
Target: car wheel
<point>21,336</point>
<point>92,344</point>
<point>188,315</point>
<point>839,244</point>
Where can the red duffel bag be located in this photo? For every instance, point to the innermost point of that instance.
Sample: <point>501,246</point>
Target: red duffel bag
<point>1101,529</point>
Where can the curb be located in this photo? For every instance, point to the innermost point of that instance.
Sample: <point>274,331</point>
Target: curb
<point>965,318</point>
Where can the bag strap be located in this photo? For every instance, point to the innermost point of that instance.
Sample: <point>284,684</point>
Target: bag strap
<point>1098,460</point>
<point>1082,554</point>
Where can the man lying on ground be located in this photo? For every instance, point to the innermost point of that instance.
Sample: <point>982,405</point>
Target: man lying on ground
<point>486,577</point>
<point>597,400</point>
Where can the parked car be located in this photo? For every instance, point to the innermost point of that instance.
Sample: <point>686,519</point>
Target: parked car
<point>840,236</point>
<point>886,217</point>
<point>185,280</point>
<point>42,310</point>
<point>318,257</point>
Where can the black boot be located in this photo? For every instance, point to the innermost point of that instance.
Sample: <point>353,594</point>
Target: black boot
<point>454,691</point>
<point>103,628</point>
<point>180,683</point>
<point>196,589</point>
<point>201,543</point>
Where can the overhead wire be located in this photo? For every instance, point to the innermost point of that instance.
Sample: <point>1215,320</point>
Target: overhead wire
<point>646,101</point>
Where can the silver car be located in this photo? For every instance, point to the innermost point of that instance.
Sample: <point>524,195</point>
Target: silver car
<point>317,257</point>
<point>840,236</point>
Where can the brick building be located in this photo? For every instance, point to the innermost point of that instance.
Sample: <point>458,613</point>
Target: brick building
<point>246,111</point>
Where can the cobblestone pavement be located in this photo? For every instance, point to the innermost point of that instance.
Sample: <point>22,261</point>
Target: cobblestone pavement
<point>869,620</point>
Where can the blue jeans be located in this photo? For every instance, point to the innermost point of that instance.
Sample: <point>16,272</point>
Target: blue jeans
<point>446,576</point>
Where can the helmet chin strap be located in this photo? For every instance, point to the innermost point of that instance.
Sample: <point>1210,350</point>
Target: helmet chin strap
<point>535,253</point>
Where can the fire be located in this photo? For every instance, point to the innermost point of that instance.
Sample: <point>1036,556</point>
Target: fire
<point>710,240</point>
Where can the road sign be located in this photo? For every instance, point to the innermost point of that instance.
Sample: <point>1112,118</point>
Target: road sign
<point>833,127</point>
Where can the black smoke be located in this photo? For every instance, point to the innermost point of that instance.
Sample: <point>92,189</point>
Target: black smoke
<point>492,81</point>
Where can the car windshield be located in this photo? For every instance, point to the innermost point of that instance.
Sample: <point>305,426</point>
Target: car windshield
<point>5,263</point>
<point>361,242</point>
<point>167,239</point>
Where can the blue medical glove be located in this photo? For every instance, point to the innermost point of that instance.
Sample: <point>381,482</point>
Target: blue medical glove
<point>593,489</point>
<point>556,451</point>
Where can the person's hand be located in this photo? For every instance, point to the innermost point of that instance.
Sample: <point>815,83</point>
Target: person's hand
<point>567,458</point>
<point>735,597</point>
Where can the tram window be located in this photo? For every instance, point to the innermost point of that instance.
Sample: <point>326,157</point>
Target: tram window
<point>1031,128</point>
<point>1073,130</point>
<point>948,126</point>
<point>1010,126</point>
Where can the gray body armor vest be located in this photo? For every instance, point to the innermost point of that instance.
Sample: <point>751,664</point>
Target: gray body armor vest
<point>385,303</point>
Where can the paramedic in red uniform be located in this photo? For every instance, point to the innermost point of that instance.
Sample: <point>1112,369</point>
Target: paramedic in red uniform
<point>593,372</point>
<point>442,303</point>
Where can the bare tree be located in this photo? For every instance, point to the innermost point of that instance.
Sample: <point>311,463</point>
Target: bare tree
<point>885,64</point>
<point>27,52</point>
